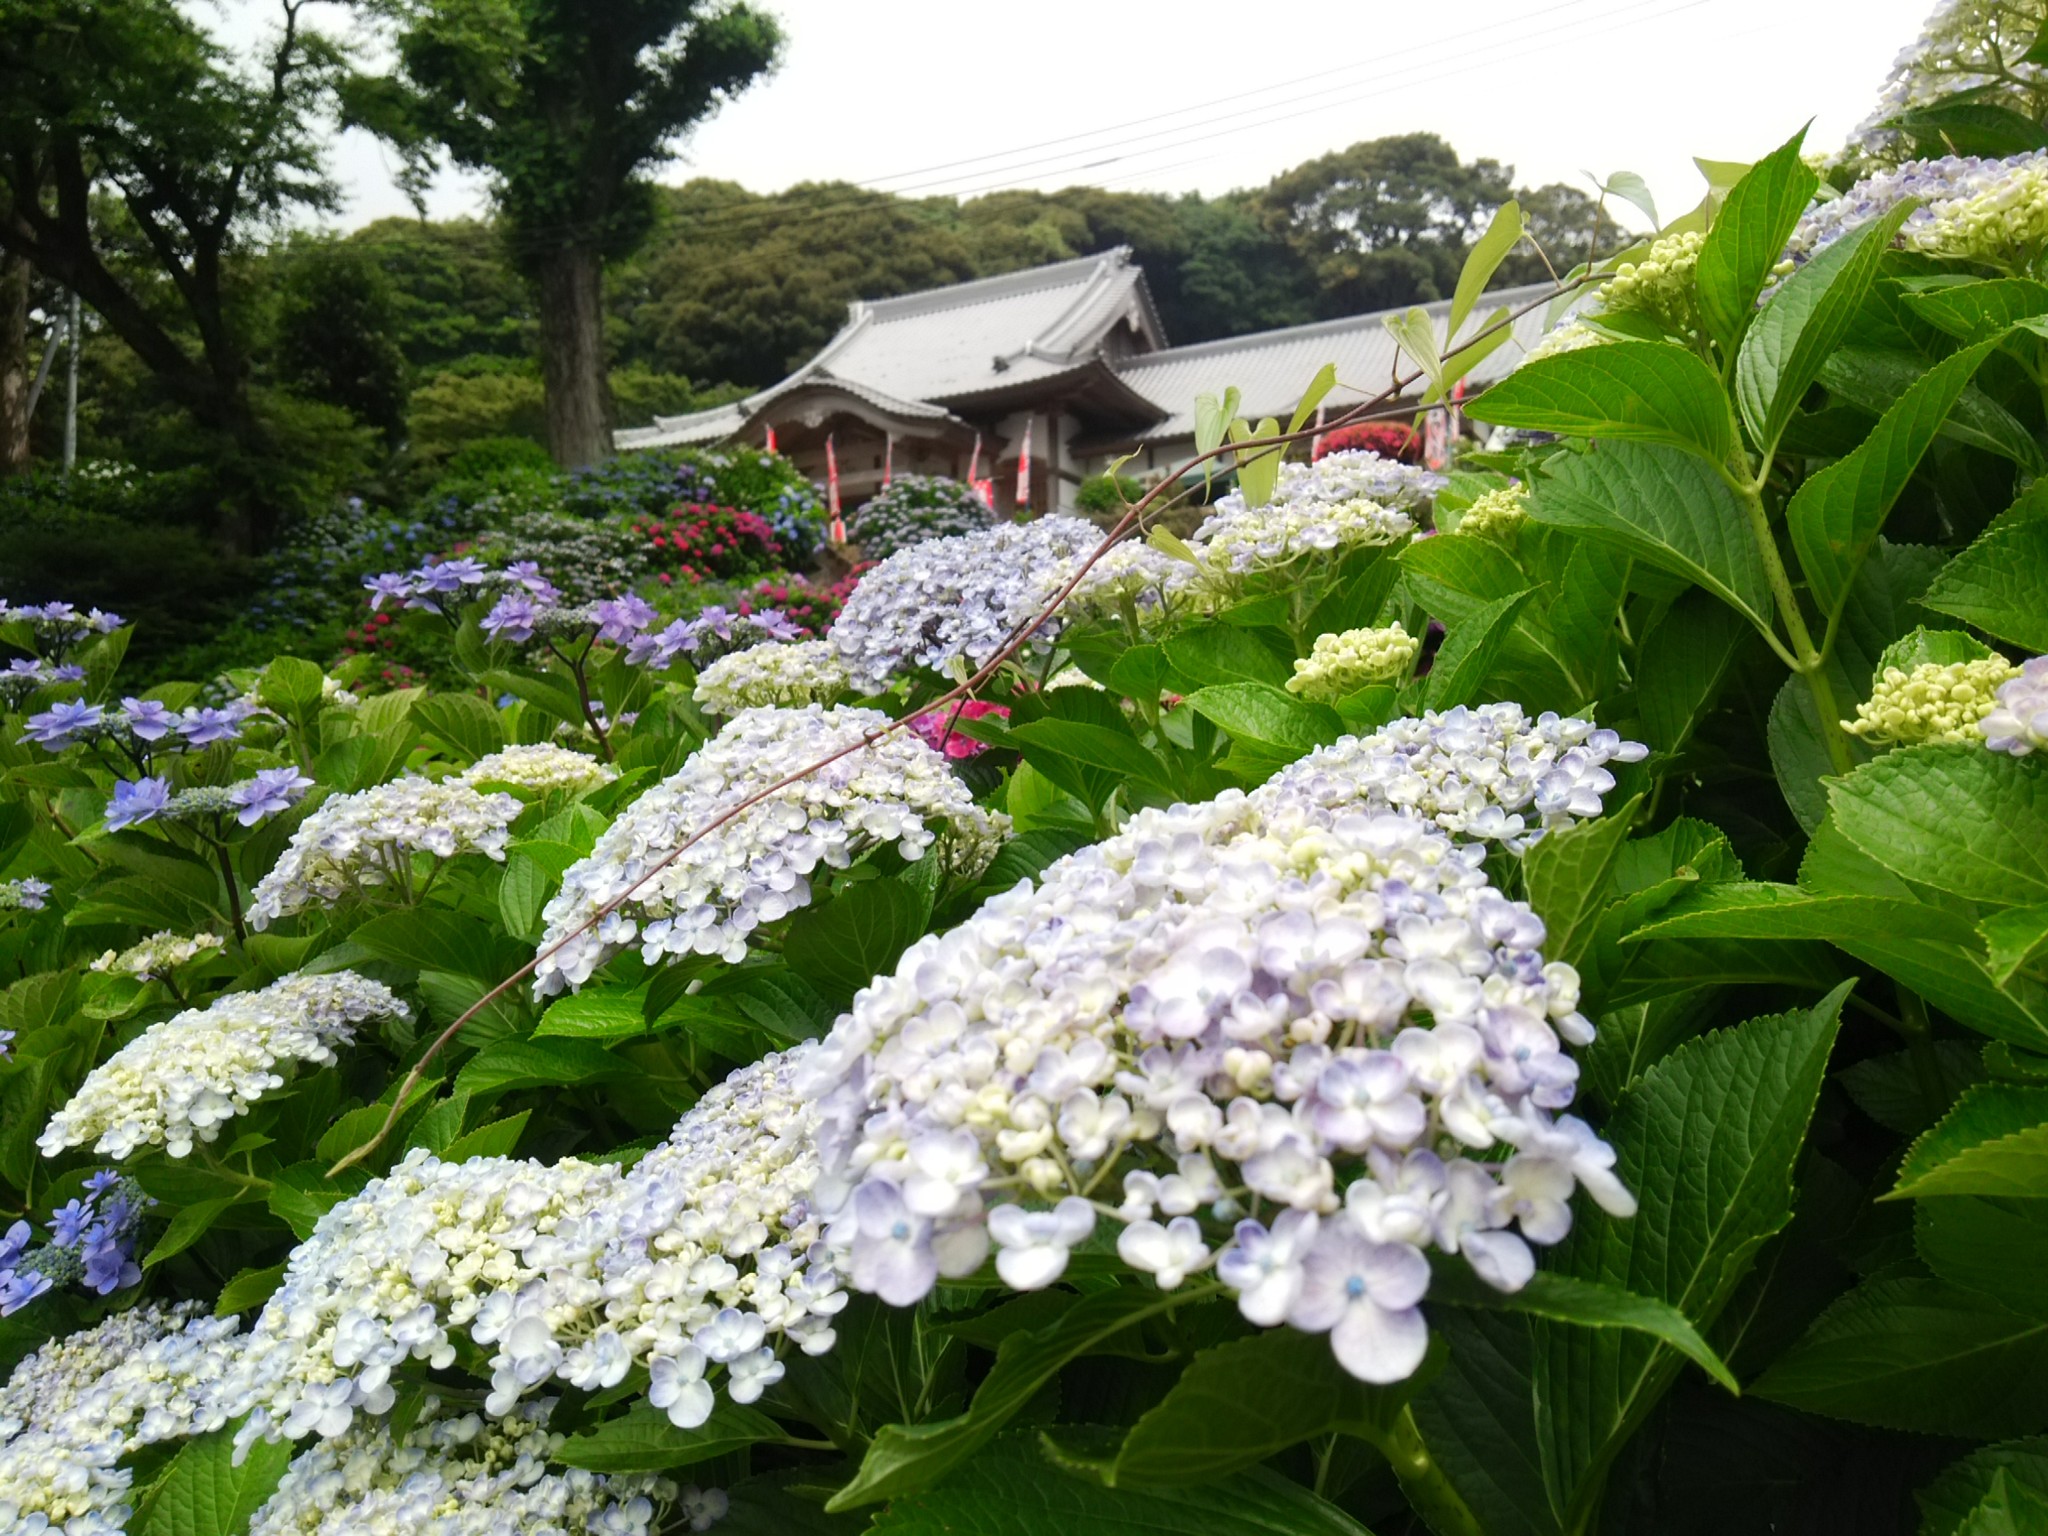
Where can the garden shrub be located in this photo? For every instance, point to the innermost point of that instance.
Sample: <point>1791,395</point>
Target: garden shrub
<point>915,508</point>
<point>1388,439</point>
<point>1107,495</point>
<point>1325,1026</point>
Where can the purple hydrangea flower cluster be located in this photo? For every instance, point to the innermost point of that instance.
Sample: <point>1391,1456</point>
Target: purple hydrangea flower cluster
<point>149,798</point>
<point>1945,189</point>
<point>431,586</point>
<point>629,621</point>
<point>28,895</point>
<point>144,726</point>
<point>24,676</point>
<point>91,1242</point>
<point>54,628</point>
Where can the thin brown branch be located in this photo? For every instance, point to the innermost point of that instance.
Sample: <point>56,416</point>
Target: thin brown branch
<point>1257,447</point>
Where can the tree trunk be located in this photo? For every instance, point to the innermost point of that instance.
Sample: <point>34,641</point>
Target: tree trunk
<point>17,368</point>
<point>572,365</point>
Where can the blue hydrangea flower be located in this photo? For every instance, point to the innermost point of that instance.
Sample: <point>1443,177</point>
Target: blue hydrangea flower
<point>54,728</point>
<point>137,800</point>
<point>149,719</point>
<point>271,791</point>
<point>203,727</point>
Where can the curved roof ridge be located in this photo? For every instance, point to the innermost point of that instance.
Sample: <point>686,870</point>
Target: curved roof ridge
<point>982,290</point>
<point>1251,341</point>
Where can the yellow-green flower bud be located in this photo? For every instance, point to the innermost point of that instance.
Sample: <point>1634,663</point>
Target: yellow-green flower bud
<point>1496,515</point>
<point>1934,702</point>
<point>1660,284</point>
<point>1343,664</point>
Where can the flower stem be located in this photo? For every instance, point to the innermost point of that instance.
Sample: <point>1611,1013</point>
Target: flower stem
<point>227,875</point>
<point>1807,659</point>
<point>1442,1508</point>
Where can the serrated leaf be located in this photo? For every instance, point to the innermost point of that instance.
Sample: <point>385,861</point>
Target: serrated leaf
<point>1997,1248</point>
<point>435,939</point>
<point>1584,1304</point>
<point>1957,818</point>
<point>1803,323</point>
<point>1949,1500</point>
<point>1257,712</point>
<point>1972,311</point>
<point>1749,236</point>
<point>186,1228</point>
<point>1994,1142</point>
<point>1415,336</point>
<point>1319,387</point>
<point>1667,509</point>
<point>290,685</point>
<point>1241,1402</point>
<point>248,1289</point>
<point>1996,583</point>
<point>1470,650</point>
<point>522,892</point>
<point>1219,653</point>
<point>2016,939</point>
<point>1648,392</point>
<point>1093,746</point>
<point>1920,1355</point>
<point>905,1457</point>
<point>1681,666</point>
<point>843,945</point>
<point>1707,1140</point>
<point>203,1492</point>
<point>1569,875</point>
<point>539,1064</point>
<point>462,720</point>
<point>594,1014</point>
<point>644,1440</point>
<point>1837,514</point>
<point>497,1139</point>
<point>1016,1489</point>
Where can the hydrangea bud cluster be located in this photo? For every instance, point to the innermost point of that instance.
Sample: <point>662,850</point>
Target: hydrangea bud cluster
<point>1496,514</point>
<point>1472,772</point>
<point>391,1274</point>
<point>75,1407</point>
<point>180,1081</point>
<point>1316,508</point>
<point>757,867</point>
<point>91,1243</point>
<point>782,675</point>
<point>157,956</point>
<point>1342,664</point>
<point>955,600</point>
<point>1658,284</point>
<point>371,837</point>
<point>55,628</point>
<point>271,791</point>
<point>27,894</point>
<point>539,768</point>
<point>1570,334</point>
<point>1264,1038</point>
<point>457,1474</point>
<point>2018,722</point>
<point>1935,701</point>
<point>1970,209</point>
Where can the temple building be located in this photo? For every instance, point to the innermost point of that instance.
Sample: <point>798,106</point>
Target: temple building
<point>1069,359</point>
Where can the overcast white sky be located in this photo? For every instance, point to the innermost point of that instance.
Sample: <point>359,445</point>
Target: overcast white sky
<point>936,96</point>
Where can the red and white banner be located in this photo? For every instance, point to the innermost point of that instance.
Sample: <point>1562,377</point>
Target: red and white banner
<point>771,439</point>
<point>838,529</point>
<point>974,464</point>
<point>1436,438</point>
<point>1024,470</point>
<point>888,459</point>
<point>986,490</point>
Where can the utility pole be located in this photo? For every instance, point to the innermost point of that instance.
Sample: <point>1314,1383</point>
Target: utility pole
<point>71,387</point>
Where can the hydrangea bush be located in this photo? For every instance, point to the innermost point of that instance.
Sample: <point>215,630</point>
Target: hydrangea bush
<point>1319,1026</point>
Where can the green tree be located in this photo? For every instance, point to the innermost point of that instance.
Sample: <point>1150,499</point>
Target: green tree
<point>1385,222</point>
<point>1565,228</point>
<point>453,293</point>
<point>136,160</point>
<point>335,337</point>
<point>566,104</point>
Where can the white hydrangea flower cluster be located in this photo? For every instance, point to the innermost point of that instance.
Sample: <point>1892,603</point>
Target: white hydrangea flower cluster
<point>540,767</point>
<point>787,676</point>
<point>1935,701</point>
<point>1359,474</point>
<point>1970,209</point>
<point>953,600</point>
<point>1152,585</point>
<point>704,1257</point>
<point>1473,772</point>
<point>1315,508</point>
<point>457,1474</point>
<point>2018,724</point>
<point>1265,1038</point>
<point>391,1273</point>
<point>1496,514</point>
<point>1342,664</point>
<point>158,955</point>
<point>75,1407</point>
<point>180,1081</point>
<point>369,838</point>
<point>714,1252</point>
<point>755,868</point>
<point>1965,45</point>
